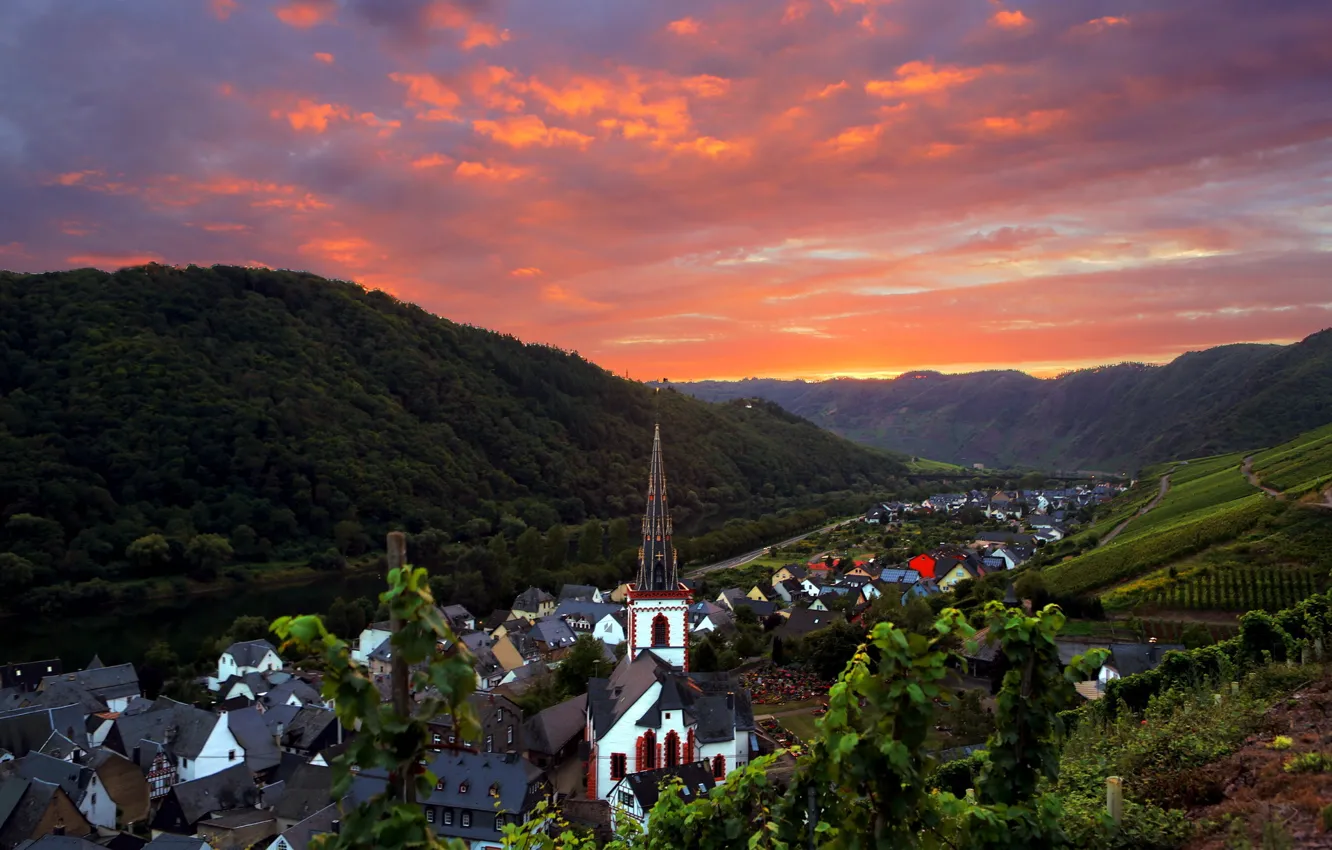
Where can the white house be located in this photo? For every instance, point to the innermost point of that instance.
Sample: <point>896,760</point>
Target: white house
<point>250,656</point>
<point>80,782</point>
<point>372,636</point>
<point>604,621</point>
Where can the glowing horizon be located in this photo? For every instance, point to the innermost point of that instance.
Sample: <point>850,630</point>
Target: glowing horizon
<point>806,188</point>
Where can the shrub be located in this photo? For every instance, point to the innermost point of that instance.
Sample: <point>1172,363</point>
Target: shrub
<point>1281,742</point>
<point>1308,763</point>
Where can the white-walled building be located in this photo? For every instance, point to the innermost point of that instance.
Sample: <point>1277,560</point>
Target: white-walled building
<point>249,656</point>
<point>652,713</point>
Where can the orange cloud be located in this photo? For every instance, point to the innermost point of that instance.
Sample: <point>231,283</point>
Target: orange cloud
<point>71,178</point>
<point>1106,22</point>
<point>525,272</point>
<point>425,92</point>
<point>937,150</point>
<point>796,10</point>
<point>490,85</point>
<point>830,90</point>
<point>76,228</point>
<point>684,26</point>
<point>1037,121</point>
<point>113,262</point>
<point>326,58</point>
<point>483,35</point>
<point>555,294</point>
<point>385,126</point>
<point>347,251</point>
<point>433,160</point>
<point>527,130</point>
<point>854,138</point>
<point>638,109</point>
<point>1005,19</point>
<point>304,14</point>
<point>13,249</point>
<point>706,85</point>
<point>224,227</point>
<point>489,171</point>
<point>222,9</point>
<point>309,115</point>
<point>916,78</point>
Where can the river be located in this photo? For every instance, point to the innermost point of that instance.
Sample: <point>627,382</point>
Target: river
<point>123,634</point>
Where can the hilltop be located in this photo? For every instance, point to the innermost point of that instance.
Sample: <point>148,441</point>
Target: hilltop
<point>288,413</point>
<point>1117,417</point>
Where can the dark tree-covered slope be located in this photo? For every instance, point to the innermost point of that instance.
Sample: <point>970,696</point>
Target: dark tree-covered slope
<point>285,411</point>
<point>1116,417</point>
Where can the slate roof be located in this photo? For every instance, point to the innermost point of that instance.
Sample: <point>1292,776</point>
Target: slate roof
<point>456,614</point>
<point>299,836</point>
<point>248,653</point>
<point>23,730</point>
<point>252,733</point>
<point>26,801</point>
<point>26,675</point>
<point>531,599</point>
<point>804,620</point>
<point>105,683</point>
<point>712,700</point>
<point>191,726</point>
<point>306,725</point>
<point>1130,658</point>
<point>308,790</point>
<point>59,842</point>
<point>796,570</point>
<point>594,611</point>
<point>762,609</point>
<point>72,778</point>
<point>793,587</point>
<point>552,729</point>
<point>279,714</point>
<point>57,746</point>
<point>496,619</point>
<point>703,607</point>
<point>553,632</point>
<point>63,692</point>
<point>167,841</point>
<point>279,694</point>
<point>482,771</point>
<point>232,788</point>
<point>577,592</point>
<point>646,784</point>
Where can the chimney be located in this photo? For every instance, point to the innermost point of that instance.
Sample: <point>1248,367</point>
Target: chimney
<point>337,827</point>
<point>278,730</point>
<point>59,828</point>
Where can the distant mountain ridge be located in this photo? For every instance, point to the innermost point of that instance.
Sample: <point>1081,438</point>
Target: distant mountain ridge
<point>1115,417</point>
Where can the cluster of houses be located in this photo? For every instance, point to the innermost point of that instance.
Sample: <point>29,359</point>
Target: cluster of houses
<point>1051,507</point>
<point>87,761</point>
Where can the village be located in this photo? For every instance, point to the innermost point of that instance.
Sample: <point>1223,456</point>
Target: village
<point>663,676</point>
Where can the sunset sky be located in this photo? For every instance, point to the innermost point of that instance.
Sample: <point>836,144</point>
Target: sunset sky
<point>705,188</point>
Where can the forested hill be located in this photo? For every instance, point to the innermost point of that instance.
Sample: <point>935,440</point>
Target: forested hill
<point>1223,399</point>
<point>286,412</point>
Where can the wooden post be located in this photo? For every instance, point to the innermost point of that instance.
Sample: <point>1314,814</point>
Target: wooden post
<point>397,558</point>
<point>1114,798</point>
<point>813,801</point>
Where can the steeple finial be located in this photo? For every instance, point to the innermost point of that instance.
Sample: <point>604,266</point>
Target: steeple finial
<point>656,560</point>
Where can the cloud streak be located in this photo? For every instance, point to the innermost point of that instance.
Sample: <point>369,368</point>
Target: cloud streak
<point>713,189</point>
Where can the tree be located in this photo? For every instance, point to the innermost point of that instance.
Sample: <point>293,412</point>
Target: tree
<point>349,537</point>
<point>159,664</point>
<point>345,619</point>
<point>618,536</point>
<point>1196,635</point>
<point>586,660</point>
<point>149,554</point>
<point>531,551</point>
<point>828,650</point>
<point>704,658</point>
<point>557,548</point>
<point>589,542</point>
<point>16,574</point>
<point>778,651</point>
<point>206,554</point>
<point>248,628</point>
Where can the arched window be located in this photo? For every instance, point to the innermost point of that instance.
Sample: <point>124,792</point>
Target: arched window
<point>719,767</point>
<point>661,631</point>
<point>647,758</point>
<point>672,749</point>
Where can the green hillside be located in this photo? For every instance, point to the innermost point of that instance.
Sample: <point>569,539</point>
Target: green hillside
<point>1215,542</point>
<point>288,414</point>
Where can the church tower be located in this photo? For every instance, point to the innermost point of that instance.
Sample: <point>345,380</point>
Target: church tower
<point>658,603</point>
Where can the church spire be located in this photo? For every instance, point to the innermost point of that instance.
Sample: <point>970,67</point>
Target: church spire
<point>656,560</point>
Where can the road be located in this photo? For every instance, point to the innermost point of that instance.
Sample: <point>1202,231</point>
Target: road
<point>1164,487</point>
<point>741,560</point>
<point>1247,469</point>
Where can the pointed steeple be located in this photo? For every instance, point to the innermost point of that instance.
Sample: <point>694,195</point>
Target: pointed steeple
<point>656,560</point>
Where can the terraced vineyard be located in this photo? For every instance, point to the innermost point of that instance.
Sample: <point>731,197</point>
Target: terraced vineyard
<point>1301,466</point>
<point>1243,589</point>
<point>1199,485</point>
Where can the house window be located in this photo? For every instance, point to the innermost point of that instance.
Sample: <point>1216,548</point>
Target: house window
<point>619,765</point>
<point>437,737</point>
<point>94,799</point>
<point>466,819</point>
<point>453,739</point>
<point>648,751</point>
<point>672,749</point>
<point>661,631</point>
<point>462,787</point>
<point>499,822</point>
<point>439,786</point>
<point>499,714</point>
<point>448,817</point>
<point>510,734</point>
<point>719,767</point>
<point>490,743</point>
<point>430,815</point>
<point>626,799</point>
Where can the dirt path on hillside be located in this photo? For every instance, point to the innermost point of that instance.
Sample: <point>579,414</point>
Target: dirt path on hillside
<point>1165,488</point>
<point>1247,469</point>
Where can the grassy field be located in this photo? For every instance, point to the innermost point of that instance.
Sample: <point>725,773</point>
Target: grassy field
<point>936,467</point>
<point>1123,506</point>
<point>1300,466</point>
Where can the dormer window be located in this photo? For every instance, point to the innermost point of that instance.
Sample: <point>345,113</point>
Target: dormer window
<point>462,787</point>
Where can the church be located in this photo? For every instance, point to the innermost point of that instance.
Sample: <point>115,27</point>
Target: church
<point>652,713</point>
